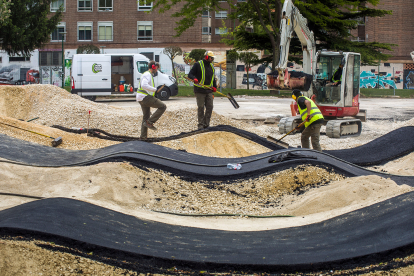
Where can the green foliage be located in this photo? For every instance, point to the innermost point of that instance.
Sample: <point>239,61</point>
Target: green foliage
<point>197,54</point>
<point>28,27</point>
<point>88,49</point>
<point>232,55</point>
<point>172,52</point>
<point>5,11</point>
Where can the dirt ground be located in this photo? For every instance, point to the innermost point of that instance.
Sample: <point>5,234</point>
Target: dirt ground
<point>145,194</point>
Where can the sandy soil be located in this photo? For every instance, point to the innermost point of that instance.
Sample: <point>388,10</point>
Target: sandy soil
<point>124,188</point>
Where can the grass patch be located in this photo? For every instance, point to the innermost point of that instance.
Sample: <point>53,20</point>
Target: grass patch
<point>383,93</point>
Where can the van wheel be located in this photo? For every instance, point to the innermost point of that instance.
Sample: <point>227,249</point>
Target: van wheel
<point>91,98</point>
<point>164,94</point>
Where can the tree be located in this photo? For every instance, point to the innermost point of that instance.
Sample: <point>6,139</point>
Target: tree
<point>172,52</point>
<point>88,49</point>
<point>5,11</point>
<point>330,20</point>
<point>197,54</point>
<point>249,59</point>
<point>28,27</point>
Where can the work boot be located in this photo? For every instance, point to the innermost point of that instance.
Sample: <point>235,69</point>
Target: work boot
<point>149,125</point>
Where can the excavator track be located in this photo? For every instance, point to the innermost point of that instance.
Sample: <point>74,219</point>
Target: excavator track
<point>343,128</point>
<point>288,123</point>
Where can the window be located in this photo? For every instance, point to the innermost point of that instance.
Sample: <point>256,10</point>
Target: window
<point>105,5</point>
<point>84,5</point>
<point>144,7</point>
<point>149,55</point>
<point>142,66</point>
<point>17,58</point>
<point>50,58</point>
<point>206,30</point>
<point>205,13</point>
<point>105,31</point>
<point>56,35</point>
<point>221,14</point>
<point>84,31</point>
<point>221,31</point>
<point>55,5</point>
<point>144,30</point>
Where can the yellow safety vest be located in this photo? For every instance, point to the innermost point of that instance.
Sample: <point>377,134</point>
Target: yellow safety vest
<point>142,91</point>
<point>203,75</point>
<point>315,113</point>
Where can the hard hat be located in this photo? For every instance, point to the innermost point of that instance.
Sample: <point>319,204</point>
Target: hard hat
<point>210,54</point>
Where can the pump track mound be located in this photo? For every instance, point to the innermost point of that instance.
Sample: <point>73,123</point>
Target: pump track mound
<point>374,229</point>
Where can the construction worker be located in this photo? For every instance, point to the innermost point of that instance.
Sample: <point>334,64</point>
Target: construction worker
<point>337,75</point>
<point>145,97</point>
<point>202,74</point>
<point>312,117</point>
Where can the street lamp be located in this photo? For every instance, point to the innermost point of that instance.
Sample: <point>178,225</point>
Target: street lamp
<point>63,60</point>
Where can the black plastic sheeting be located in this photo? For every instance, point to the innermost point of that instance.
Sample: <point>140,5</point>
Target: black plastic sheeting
<point>189,166</point>
<point>377,228</point>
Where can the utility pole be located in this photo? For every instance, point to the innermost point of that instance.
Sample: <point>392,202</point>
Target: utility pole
<point>63,59</point>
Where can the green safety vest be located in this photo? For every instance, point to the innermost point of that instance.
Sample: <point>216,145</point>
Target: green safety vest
<point>315,113</point>
<point>142,91</point>
<point>203,75</point>
<point>333,75</point>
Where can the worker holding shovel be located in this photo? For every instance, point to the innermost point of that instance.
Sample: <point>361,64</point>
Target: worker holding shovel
<point>205,84</point>
<point>145,97</point>
<point>313,119</point>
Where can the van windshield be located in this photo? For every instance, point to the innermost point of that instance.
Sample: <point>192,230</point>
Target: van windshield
<point>142,66</point>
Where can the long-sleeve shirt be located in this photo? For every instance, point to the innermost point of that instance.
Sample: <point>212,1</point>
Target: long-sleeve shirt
<point>195,73</point>
<point>146,85</point>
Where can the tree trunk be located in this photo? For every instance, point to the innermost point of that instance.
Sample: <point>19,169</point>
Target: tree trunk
<point>173,71</point>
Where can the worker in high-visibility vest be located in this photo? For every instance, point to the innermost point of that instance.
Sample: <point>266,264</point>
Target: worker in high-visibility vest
<point>202,73</point>
<point>313,119</point>
<point>145,97</point>
<point>337,74</point>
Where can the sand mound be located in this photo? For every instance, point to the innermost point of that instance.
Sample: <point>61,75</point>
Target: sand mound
<point>127,189</point>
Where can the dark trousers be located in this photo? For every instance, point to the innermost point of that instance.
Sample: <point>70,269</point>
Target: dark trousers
<point>314,132</point>
<point>205,108</point>
<point>146,104</point>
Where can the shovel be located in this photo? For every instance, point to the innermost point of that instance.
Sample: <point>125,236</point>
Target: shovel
<point>228,96</point>
<point>279,142</point>
<point>56,141</point>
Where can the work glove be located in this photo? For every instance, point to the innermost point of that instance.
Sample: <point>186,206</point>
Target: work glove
<point>214,89</point>
<point>308,118</point>
<point>196,81</point>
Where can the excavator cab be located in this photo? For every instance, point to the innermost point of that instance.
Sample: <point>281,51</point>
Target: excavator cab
<point>326,90</point>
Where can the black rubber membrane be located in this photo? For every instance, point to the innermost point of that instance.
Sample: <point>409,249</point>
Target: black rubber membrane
<point>383,226</point>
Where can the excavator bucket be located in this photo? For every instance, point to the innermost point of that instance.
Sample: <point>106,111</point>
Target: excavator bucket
<point>289,80</point>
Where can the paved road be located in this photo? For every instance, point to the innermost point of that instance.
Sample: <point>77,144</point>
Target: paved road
<point>262,108</point>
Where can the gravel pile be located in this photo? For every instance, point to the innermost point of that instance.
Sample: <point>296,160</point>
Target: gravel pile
<point>55,106</point>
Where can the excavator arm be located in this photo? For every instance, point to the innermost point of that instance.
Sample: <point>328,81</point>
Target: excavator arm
<point>293,21</point>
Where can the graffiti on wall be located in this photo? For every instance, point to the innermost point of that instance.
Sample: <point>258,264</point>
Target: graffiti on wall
<point>408,79</point>
<point>369,79</point>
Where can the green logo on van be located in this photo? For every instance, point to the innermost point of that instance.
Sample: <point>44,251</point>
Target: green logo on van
<point>96,68</point>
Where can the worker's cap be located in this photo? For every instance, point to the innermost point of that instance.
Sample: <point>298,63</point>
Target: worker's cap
<point>210,54</point>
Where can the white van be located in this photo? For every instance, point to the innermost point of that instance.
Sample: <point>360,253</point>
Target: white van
<point>101,75</point>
